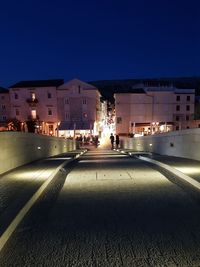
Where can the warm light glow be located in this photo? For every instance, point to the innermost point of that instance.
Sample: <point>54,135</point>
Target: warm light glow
<point>33,96</point>
<point>36,175</point>
<point>188,170</point>
<point>33,113</point>
<point>54,159</point>
<point>138,135</point>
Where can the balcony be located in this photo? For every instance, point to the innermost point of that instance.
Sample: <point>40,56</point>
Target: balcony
<point>32,101</point>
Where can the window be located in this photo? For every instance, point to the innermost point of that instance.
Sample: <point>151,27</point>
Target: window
<point>188,107</point>
<point>17,112</point>
<point>3,107</point>
<point>33,96</point>
<point>187,118</point>
<point>49,95</point>
<point>79,89</point>
<point>178,98</point>
<point>188,127</point>
<point>67,101</point>
<point>84,101</point>
<point>188,97</point>
<point>177,128</point>
<point>33,114</point>
<point>119,119</point>
<point>49,112</point>
<point>85,115</point>
<point>67,116</point>
<point>16,96</point>
<point>177,108</point>
<point>4,118</point>
<point>177,118</point>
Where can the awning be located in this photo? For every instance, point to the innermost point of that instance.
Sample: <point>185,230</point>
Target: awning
<point>79,125</point>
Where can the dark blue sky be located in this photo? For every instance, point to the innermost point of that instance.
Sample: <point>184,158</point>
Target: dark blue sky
<point>98,39</point>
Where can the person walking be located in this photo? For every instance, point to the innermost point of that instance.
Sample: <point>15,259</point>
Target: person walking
<point>117,141</point>
<point>112,140</point>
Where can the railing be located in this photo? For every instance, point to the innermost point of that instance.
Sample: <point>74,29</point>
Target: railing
<point>32,101</point>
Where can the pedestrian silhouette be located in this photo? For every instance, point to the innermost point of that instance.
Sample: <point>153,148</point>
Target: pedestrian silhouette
<point>117,141</point>
<point>112,140</point>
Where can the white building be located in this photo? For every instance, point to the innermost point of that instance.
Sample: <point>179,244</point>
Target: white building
<point>150,109</point>
<point>36,101</point>
<point>78,109</point>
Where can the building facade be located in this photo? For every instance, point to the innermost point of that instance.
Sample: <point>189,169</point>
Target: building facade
<point>74,109</point>
<point>4,107</point>
<point>150,109</point>
<point>79,109</point>
<point>56,108</point>
<point>36,101</point>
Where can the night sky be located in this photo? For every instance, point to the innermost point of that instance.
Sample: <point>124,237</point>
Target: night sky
<point>98,39</point>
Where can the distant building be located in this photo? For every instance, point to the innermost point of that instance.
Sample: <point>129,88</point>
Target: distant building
<point>79,109</point>
<point>72,109</point>
<point>4,107</point>
<point>56,108</point>
<point>152,107</point>
<point>36,101</point>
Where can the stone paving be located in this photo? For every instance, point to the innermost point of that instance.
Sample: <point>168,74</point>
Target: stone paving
<point>110,210</point>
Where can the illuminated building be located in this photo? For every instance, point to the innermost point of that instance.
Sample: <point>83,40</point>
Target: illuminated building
<point>152,108</point>
<point>56,108</point>
<point>79,109</point>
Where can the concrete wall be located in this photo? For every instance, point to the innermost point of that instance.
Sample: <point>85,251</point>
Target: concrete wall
<point>17,148</point>
<point>185,143</point>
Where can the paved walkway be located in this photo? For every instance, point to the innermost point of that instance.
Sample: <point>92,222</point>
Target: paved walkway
<point>189,167</point>
<point>110,210</point>
<point>19,185</point>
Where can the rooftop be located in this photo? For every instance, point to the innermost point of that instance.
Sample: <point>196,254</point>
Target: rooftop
<point>38,83</point>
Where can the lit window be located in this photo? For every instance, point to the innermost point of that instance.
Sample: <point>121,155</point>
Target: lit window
<point>33,114</point>
<point>33,96</point>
